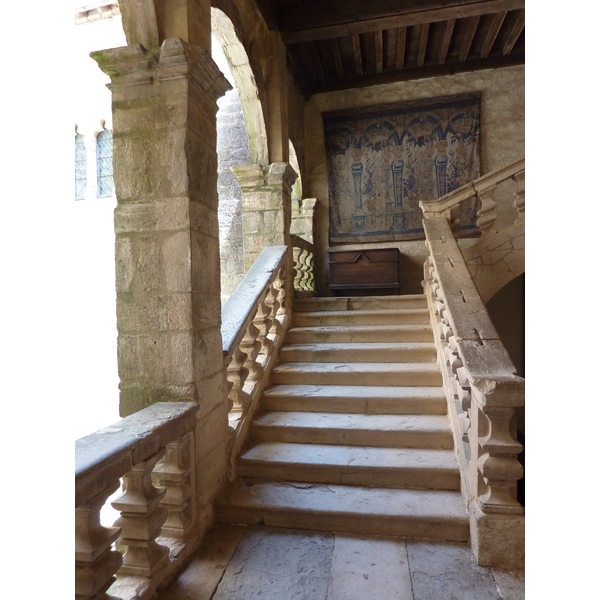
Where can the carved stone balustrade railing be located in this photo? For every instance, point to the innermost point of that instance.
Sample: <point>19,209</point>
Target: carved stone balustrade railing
<point>304,256</point>
<point>483,189</point>
<point>483,394</point>
<point>253,321</point>
<point>152,451</point>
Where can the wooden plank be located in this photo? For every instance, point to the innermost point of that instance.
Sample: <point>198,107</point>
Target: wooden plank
<point>306,62</point>
<point>332,18</point>
<point>316,59</point>
<point>357,54</point>
<point>337,58</point>
<point>449,28</point>
<point>379,51</point>
<point>492,34</point>
<point>389,49</point>
<point>468,39</point>
<point>401,48</point>
<point>514,34</point>
<point>422,44</point>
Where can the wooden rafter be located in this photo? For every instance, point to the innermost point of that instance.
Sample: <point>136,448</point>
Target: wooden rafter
<point>337,58</point>
<point>492,34</point>
<point>448,29</point>
<point>316,59</point>
<point>357,54</point>
<point>514,34</point>
<point>422,44</point>
<point>400,47</point>
<point>379,51</point>
<point>333,18</point>
<point>468,39</point>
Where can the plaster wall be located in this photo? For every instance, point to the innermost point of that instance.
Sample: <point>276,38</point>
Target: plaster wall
<point>502,141</point>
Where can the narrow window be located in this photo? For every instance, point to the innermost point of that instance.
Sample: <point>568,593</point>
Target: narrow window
<point>80,167</point>
<point>106,184</point>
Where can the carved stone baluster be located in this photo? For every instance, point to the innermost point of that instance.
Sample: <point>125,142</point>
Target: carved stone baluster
<point>497,463</point>
<point>236,375</point>
<point>296,252</point>
<point>176,475</point>
<point>279,285</point>
<point>141,521</point>
<point>519,202</point>
<point>464,396</point>
<point>95,561</point>
<point>251,347</point>
<point>263,322</point>
<point>486,214</point>
<point>272,301</point>
<point>307,282</point>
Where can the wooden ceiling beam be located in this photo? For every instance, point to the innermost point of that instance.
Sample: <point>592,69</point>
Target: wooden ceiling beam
<point>468,39</point>
<point>492,34</point>
<point>337,58</point>
<point>316,60</point>
<point>514,34</point>
<point>357,54</point>
<point>422,44</point>
<point>338,19</point>
<point>448,29</point>
<point>400,48</point>
<point>379,51</point>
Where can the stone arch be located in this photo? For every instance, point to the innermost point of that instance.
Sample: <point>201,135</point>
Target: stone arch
<point>224,32</point>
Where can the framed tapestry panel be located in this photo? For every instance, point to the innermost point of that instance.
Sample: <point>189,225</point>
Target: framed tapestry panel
<point>382,161</point>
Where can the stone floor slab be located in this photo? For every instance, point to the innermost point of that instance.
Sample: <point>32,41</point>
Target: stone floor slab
<point>449,571</point>
<point>200,578</point>
<point>277,564</point>
<point>510,585</point>
<point>366,567</point>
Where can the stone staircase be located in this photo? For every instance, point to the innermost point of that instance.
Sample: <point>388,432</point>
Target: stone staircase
<point>353,434</point>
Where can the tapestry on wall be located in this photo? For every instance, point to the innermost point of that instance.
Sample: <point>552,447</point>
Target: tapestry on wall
<point>383,161</point>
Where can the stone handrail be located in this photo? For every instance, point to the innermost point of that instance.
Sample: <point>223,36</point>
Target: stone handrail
<point>153,452</point>
<point>483,394</point>
<point>253,322</point>
<point>304,256</point>
<point>483,189</point>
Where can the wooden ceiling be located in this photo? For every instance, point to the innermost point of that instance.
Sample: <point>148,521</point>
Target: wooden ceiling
<point>340,44</point>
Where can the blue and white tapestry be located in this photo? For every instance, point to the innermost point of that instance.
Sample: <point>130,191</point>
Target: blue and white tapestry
<point>383,161</point>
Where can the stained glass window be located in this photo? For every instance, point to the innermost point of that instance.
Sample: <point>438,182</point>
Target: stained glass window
<point>80,167</point>
<point>106,184</point>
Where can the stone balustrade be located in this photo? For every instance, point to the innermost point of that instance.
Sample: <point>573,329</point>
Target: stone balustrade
<point>254,319</point>
<point>304,277</point>
<point>483,394</point>
<point>483,189</point>
<point>152,451</point>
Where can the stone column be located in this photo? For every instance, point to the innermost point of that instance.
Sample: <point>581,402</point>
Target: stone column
<point>266,207</point>
<point>167,237</point>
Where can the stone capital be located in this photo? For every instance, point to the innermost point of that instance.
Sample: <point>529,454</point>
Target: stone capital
<point>272,177</point>
<point>146,69</point>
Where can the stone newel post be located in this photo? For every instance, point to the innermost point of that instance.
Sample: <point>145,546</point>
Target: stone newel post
<point>167,235</point>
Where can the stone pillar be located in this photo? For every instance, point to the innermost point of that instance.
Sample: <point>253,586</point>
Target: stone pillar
<point>266,207</point>
<point>303,218</point>
<point>167,237</point>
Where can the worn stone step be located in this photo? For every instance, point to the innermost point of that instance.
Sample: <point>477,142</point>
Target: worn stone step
<point>387,352</point>
<point>355,399</point>
<point>351,465</point>
<point>360,317</point>
<point>397,374</point>
<point>429,514</point>
<point>360,333</point>
<point>360,303</point>
<point>386,431</point>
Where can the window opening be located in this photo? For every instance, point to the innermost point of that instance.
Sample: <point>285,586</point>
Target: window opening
<point>80,167</point>
<point>104,147</point>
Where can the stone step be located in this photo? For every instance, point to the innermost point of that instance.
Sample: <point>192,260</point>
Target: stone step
<point>430,514</point>
<point>355,399</point>
<point>351,465</point>
<point>358,333</point>
<point>360,303</point>
<point>359,352</point>
<point>386,431</point>
<point>361,317</point>
<point>386,374</point>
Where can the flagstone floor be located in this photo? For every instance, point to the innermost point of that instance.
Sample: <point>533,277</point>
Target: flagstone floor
<point>263,563</point>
